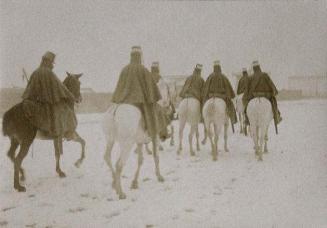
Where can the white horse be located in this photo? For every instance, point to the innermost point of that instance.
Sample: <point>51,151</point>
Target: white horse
<point>189,111</point>
<point>240,111</point>
<point>123,124</point>
<point>260,115</point>
<point>214,112</point>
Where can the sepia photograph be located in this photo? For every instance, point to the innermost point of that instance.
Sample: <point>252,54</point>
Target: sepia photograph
<point>163,114</point>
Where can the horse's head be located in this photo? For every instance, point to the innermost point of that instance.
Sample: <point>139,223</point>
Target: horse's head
<point>74,85</point>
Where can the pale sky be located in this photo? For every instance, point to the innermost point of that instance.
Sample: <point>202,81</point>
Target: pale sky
<point>95,37</point>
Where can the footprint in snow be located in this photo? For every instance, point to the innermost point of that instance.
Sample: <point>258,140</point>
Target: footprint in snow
<point>113,214</point>
<point>84,195</point>
<point>8,208</point>
<point>78,209</point>
<point>189,210</point>
<point>146,179</point>
<point>31,225</point>
<point>170,172</point>
<point>3,223</point>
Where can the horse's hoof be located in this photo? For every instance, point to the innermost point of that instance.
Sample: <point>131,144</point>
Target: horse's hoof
<point>122,196</point>
<point>160,148</point>
<point>203,142</point>
<point>62,174</point>
<point>78,164</point>
<point>134,185</point>
<point>20,188</point>
<point>160,178</point>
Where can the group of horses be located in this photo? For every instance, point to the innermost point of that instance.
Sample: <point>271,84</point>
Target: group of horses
<point>122,124</point>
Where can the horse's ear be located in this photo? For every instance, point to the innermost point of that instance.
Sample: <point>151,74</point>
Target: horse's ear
<point>68,74</point>
<point>79,75</point>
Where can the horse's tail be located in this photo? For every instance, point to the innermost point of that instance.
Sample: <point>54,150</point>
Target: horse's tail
<point>8,120</point>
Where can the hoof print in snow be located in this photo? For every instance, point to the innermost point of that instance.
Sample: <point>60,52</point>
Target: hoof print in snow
<point>189,210</point>
<point>7,209</point>
<point>146,179</point>
<point>170,172</point>
<point>78,209</point>
<point>85,195</point>
<point>3,223</point>
<point>113,214</point>
<point>31,196</point>
<point>31,225</point>
<point>217,193</point>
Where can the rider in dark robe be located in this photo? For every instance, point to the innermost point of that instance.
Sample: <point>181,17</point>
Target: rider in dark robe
<point>46,101</point>
<point>242,83</point>
<point>164,112</point>
<point>218,85</point>
<point>137,87</point>
<point>260,85</point>
<point>193,85</point>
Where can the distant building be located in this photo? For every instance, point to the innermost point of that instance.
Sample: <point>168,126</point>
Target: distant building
<point>312,86</point>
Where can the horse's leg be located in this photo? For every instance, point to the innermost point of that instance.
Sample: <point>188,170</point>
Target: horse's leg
<point>125,148</point>
<point>156,160</point>
<point>254,138</point>
<point>181,129</point>
<point>190,140</point>
<point>204,135</point>
<point>107,158</point>
<point>197,137</point>
<point>172,141</point>
<point>216,138</point>
<point>139,164</point>
<point>58,150</point>
<point>11,154</point>
<point>79,139</point>
<point>226,136</point>
<point>18,162</point>
<point>160,147</point>
<point>148,149</point>
<point>266,140</point>
<point>259,140</point>
<point>241,123</point>
<point>244,125</point>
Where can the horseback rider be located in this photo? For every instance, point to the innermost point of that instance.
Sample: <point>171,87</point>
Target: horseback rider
<point>260,85</point>
<point>193,85</point>
<point>163,105</point>
<point>218,85</point>
<point>46,101</point>
<point>242,82</point>
<point>136,86</point>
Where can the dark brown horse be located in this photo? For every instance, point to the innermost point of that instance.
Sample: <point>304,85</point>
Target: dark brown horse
<point>22,133</point>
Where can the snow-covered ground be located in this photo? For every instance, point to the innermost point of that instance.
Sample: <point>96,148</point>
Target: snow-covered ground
<point>287,189</point>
